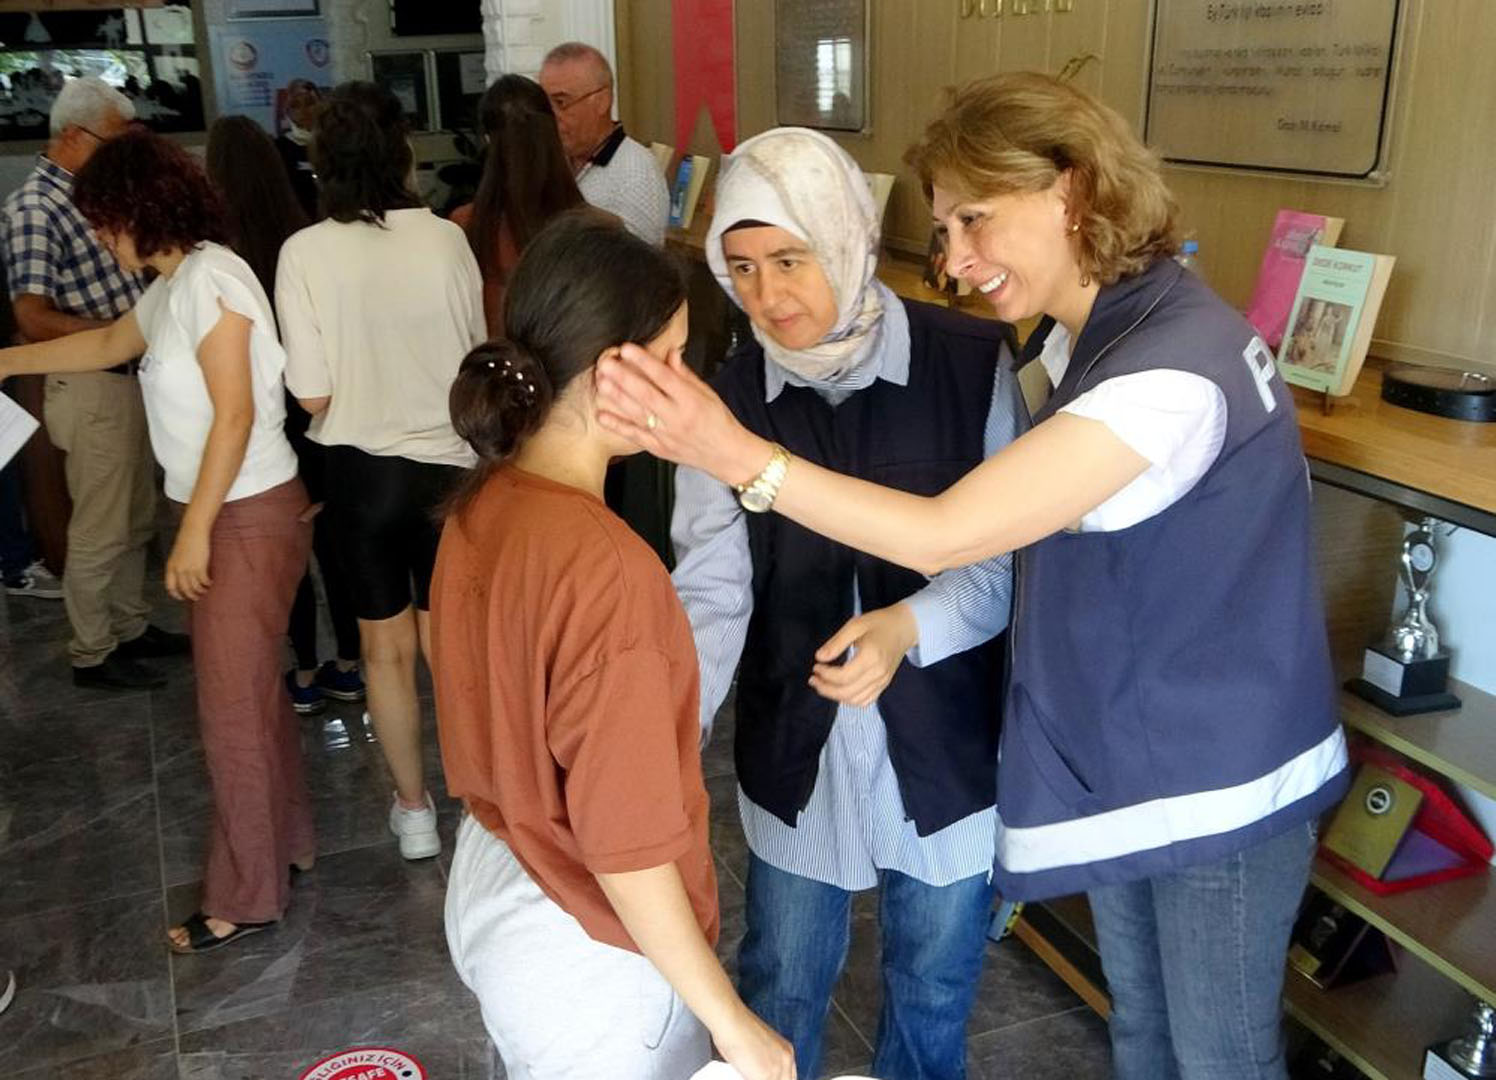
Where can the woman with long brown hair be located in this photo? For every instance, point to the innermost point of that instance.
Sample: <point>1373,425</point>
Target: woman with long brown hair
<point>263,210</point>
<point>526,182</point>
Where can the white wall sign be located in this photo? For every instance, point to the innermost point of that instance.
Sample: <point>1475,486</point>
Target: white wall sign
<point>1283,85</point>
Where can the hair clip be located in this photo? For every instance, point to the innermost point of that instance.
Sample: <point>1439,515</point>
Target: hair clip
<point>490,365</point>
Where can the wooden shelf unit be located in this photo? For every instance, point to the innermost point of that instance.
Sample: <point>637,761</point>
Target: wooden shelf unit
<point>1425,463</point>
<point>1381,1025</point>
<point>1459,744</point>
<point>1450,926</point>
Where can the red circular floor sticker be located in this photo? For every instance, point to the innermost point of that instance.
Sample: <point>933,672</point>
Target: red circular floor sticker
<point>367,1063</point>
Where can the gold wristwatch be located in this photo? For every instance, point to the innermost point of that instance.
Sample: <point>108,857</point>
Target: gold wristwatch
<point>758,495</point>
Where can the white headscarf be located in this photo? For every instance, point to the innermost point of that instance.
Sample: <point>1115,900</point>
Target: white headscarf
<point>802,182</point>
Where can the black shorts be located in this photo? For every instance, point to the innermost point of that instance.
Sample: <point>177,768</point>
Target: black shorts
<point>384,517</point>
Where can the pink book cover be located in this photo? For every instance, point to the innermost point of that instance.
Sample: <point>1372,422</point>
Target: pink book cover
<point>1294,232</point>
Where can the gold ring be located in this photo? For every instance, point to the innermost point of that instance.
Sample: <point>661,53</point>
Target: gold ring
<point>651,421</point>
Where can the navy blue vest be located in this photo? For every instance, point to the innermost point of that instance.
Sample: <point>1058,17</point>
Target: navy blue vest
<point>942,720</point>
<point>1171,698</point>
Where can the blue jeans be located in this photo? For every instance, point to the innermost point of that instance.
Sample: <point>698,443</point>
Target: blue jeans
<point>934,939</point>
<point>1194,962</point>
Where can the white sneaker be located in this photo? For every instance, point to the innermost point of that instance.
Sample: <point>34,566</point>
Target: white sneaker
<point>36,580</point>
<point>416,829</point>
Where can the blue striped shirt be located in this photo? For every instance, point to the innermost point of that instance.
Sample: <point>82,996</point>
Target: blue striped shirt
<point>854,824</point>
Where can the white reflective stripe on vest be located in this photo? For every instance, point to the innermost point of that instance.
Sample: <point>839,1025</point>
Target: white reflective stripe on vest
<point>1160,822</point>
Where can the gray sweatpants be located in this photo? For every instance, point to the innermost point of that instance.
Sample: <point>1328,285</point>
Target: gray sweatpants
<point>557,1004</point>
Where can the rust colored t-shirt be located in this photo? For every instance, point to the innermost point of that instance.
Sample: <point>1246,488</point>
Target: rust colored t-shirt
<point>566,696</point>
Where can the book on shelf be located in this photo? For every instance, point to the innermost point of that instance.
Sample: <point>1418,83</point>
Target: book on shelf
<point>1294,233</point>
<point>1330,323</point>
<point>685,193</point>
<point>663,155</point>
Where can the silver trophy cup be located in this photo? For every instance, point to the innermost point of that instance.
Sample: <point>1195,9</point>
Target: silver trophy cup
<point>1408,671</point>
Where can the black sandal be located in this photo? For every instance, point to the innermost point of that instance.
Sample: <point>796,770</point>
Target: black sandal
<point>201,939</point>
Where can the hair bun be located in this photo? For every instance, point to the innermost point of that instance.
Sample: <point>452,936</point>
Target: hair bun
<point>500,396</point>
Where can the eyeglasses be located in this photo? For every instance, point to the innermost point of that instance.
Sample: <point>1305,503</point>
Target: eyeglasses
<point>561,103</point>
<point>90,131</point>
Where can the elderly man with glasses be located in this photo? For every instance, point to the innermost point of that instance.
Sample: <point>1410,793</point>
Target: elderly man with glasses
<point>61,281</point>
<point>613,171</point>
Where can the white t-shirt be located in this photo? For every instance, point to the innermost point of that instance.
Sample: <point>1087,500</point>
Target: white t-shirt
<point>378,318</point>
<point>1176,419</point>
<point>175,314</point>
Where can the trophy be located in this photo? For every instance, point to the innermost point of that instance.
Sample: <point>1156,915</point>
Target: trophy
<point>1407,672</point>
<point>1471,1055</point>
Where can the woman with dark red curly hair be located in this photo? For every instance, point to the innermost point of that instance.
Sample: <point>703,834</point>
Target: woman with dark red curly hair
<point>211,373</point>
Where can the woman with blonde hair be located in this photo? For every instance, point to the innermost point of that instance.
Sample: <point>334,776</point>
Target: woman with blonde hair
<point>1169,736</point>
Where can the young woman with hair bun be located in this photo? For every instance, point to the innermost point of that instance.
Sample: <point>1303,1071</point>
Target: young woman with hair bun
<point>582,902</point>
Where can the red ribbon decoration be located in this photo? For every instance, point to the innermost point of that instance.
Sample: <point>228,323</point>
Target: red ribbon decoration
<point>704,70</point>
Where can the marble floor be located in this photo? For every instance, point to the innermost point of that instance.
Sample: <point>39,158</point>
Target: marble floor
<point>103,809</point>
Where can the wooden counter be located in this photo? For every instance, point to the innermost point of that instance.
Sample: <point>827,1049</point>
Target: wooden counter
<point>1427,463</point>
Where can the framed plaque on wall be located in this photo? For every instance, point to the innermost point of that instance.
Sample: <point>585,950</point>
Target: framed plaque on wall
<point>1296,88</point>
<point>820,64</point>
<point>407,75</point>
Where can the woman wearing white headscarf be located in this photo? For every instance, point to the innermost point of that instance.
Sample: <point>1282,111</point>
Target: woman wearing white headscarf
<point>877,771</point>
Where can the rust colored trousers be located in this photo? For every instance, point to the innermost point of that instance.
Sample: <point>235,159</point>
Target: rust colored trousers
<point>262,815</point>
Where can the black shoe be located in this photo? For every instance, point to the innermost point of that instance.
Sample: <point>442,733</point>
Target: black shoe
<point>118,673</point>
<point>154,642</point>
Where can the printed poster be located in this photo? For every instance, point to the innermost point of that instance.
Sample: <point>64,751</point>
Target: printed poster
<point>255,62</point>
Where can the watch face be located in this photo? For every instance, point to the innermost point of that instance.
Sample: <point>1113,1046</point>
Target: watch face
<point>1422,557</point>
<point>755,501</point>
